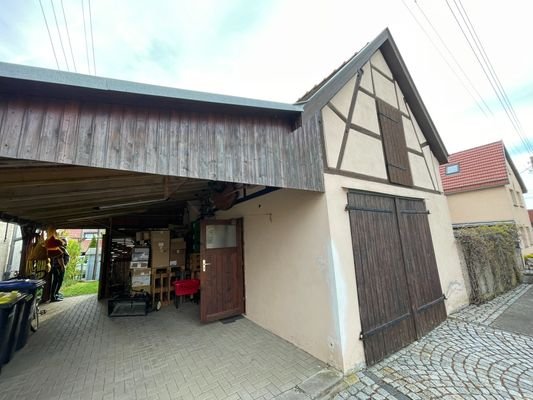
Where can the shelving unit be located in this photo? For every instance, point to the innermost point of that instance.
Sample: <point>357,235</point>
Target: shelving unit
<point>161,285</point>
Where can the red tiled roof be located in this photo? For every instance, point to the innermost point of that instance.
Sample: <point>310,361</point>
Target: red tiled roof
<point>84,245</point>
<point>479,167</point>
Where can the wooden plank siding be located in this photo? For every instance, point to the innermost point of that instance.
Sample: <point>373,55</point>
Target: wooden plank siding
<point>398,285</point>
<point>253,149</point>
<point>394,144</point>
<point>421,265</point>
<point>382,286</point>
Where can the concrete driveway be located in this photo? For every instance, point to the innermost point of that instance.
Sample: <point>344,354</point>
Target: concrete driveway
<point>482,352</point>
<point>80,353</point>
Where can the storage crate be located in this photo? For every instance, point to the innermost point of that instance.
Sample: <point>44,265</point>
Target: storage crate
<point>186,286</point>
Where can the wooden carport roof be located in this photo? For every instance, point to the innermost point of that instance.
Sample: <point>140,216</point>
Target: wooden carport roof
<point>73,196</point>
<point>73,146</point>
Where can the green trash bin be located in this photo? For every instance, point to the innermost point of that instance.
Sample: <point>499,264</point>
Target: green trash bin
<point>11,305</point>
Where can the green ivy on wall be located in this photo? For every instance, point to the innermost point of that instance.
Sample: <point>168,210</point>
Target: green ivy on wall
<point>490,253</point>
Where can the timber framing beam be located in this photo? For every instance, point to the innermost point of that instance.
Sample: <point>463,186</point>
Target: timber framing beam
<point>54,194</point>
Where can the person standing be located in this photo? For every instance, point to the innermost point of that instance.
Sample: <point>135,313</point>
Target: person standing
<point>56,249</point>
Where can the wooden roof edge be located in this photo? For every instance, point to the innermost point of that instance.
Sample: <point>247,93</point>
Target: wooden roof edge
<point>384,42</point>
<point>36,75</point>
<point>515,171</point>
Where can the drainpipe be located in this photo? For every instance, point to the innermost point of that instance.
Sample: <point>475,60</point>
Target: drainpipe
<point>96,254</point>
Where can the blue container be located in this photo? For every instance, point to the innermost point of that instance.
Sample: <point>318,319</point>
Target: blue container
<point>30,287</point>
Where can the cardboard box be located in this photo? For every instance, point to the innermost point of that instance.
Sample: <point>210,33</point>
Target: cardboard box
<point>139,264</point>
<point>140,254</point>
<point>140,277</point>
<point>178,244</point>
<point>142,236</point>
<point>178,261</point>
<point>141,289</point>
<point>178,248</point>
<point>160,242</point>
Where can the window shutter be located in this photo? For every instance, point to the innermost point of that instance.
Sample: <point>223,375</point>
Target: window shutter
<point>394,145</point>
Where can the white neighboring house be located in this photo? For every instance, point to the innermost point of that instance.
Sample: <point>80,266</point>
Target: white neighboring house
<point>10,248</point>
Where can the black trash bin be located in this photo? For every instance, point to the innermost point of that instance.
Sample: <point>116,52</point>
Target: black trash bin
<point>29,286</point>
<point>10,318</point>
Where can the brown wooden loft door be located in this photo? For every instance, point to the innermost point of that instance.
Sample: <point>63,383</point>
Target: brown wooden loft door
<point>394,144</point>
<point>221,271</point>
<point>398,285</point>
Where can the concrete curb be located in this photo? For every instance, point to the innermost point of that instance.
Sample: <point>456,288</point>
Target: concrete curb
<point>323,385</point>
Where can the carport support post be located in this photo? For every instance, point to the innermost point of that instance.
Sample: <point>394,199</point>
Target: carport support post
<point>105,264</point>
<point>28,233</point>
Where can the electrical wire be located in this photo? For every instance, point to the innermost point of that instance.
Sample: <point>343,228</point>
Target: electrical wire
<point>446,60</point>
<point>68,36</point>
<point>483,53</point>
<point>49,34</point>
<point>526,143</point>
<point>85,36</point>
<point>457,63</point>
<point>59,33</point>
<point>92,37</point>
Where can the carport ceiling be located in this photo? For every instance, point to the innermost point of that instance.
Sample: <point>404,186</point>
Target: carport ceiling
<point>73,196</point>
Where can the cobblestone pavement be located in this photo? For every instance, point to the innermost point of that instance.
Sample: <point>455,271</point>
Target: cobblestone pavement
<point>464,358</point>
<point>488,312</point>
<point>80,353</point>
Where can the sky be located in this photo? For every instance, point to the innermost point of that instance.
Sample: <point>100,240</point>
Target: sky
<point>278,49</point>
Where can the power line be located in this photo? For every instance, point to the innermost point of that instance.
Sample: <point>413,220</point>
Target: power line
<point>92,38</point>
<point>443,42</point>
<point>499,95</point>
<point>59,33</point>
<point>481,49</point>
<point>444,58</point>
<point>49,34</point>
<point>68,36</point>
<point>85,36</point>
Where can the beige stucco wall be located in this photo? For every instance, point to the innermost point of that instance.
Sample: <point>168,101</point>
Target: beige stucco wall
<point>290,287</point>
<point>484,205</point>
<point>495,204</point>
<point>364,152</point>
<point>364,155</point>
<point>519,210</point>
<point>450,272</point>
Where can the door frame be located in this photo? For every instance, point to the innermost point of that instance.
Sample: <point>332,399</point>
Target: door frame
<point>239,249</point>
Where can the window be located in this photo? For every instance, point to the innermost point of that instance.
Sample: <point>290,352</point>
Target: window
<point>524,237</point>
<point>519,200</point>
<point>452,169</point>
<point>513,196</point>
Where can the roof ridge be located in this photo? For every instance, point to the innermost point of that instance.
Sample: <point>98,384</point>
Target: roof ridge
<point>311,92</point>
<point>477,147</point>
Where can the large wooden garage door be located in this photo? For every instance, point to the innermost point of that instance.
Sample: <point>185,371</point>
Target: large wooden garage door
<point>400,298</point>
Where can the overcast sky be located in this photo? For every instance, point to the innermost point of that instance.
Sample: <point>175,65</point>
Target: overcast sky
<point>278,49</point>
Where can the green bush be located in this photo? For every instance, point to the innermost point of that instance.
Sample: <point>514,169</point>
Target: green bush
<point>72,270</point>
<point>491,260</point>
